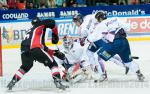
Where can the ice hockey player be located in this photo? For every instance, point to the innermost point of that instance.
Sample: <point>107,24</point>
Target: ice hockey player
<point>33,48</point>
<point>114,32</point>
<point>77,67</point>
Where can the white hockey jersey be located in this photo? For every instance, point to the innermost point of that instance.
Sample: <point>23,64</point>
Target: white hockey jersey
<point>74,55</point>
<point>107,29</point>
<point>87,26</point>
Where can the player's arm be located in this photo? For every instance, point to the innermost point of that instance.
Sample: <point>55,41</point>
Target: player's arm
<point>97,34</point>
<point>49,23</point>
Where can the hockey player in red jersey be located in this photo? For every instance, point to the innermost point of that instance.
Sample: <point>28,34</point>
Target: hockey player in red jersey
<point>33,48</point>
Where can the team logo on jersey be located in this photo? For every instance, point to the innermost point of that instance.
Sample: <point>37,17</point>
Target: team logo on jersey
<point>7,34</point>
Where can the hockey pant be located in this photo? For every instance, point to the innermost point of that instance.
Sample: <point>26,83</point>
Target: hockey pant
<point>39,55</point>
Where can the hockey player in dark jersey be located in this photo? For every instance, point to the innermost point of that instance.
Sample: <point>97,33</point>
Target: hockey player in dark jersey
<point>33,48</point>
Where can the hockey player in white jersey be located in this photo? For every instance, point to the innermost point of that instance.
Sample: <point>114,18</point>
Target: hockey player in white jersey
<point>76,66</point>
<point>113,32</point>
<point>85,28</point>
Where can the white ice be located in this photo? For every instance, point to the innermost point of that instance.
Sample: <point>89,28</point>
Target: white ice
<point>39,81</point>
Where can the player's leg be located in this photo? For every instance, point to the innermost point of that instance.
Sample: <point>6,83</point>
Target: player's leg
<point>106,52</point>
<point>98,62</point>
<point>66,67</point>
<point>90,54</point>
<point>43,57</point>
<point>27,63</point>
<point>93,58</point>
<point>118,61</point>
<point>99,66</point>
<point>125,55</point>
<point>95,64</point>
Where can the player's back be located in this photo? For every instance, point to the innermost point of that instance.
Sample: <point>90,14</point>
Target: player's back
<point>114,24</point>
<point>35,36</point>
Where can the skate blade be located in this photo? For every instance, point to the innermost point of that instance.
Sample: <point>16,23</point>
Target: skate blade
<point>96,81</point>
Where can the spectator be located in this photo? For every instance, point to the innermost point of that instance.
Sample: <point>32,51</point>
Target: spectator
<point>81,3</point>
<point>134,2</point>
<point>91,2</point>
<point>102,2</point>
<point>73,3</point>
<point>4,4</point>
<point>30,4</point>
<point>52,3</point>
<point>60,3</point>
<point>142,1</point>
<point>21,4</point>
<point>12,4</point>
<point>123,2</point>
<point>113,2</point>
<point>69,3</point>
<point>43,4</point>
<point>1,6</point>
<point>36,3</point>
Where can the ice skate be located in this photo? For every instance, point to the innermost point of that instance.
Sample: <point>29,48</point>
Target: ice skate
<point>100,78</point>
<point>59,85</point>
<point>11,84</point>
<point>140,76</point>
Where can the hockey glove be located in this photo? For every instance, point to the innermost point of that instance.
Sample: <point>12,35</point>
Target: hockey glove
<point>50,52</point>
<point>59,55</point>
<point>82,41</point>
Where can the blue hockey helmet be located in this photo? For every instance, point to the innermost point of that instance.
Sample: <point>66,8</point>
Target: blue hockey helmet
<point>77,18</point>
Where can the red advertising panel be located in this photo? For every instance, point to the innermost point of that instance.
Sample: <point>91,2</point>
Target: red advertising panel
<point>139,24</point>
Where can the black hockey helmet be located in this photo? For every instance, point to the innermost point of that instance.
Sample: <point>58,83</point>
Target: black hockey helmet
<point>35,20</point>
<point>77,18</point>
<point>101,15</point>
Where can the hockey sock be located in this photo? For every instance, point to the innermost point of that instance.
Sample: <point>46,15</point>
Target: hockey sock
<point>55,73</point>
<point>19,74</point>
<point>102,66</point>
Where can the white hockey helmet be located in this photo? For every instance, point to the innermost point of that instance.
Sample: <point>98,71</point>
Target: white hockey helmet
<point>68,42</point>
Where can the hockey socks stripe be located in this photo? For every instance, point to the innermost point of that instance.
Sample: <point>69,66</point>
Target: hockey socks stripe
<point>55,72</point>
<point>76,68</point>
<point>19,74</point>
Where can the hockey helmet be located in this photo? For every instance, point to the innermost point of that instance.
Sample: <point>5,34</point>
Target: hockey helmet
<point>35,20</point>
<point>67,42</point>
<point>77,18</point>
<point>100,15</point>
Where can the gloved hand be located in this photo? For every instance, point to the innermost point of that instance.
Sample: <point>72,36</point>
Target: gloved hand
<point>51,52</point>
<point>82,41</point>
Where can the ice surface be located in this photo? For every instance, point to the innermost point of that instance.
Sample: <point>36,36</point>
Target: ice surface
<point>39,81</point>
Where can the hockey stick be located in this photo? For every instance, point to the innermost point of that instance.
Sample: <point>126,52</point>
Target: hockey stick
<point>134,57</point>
